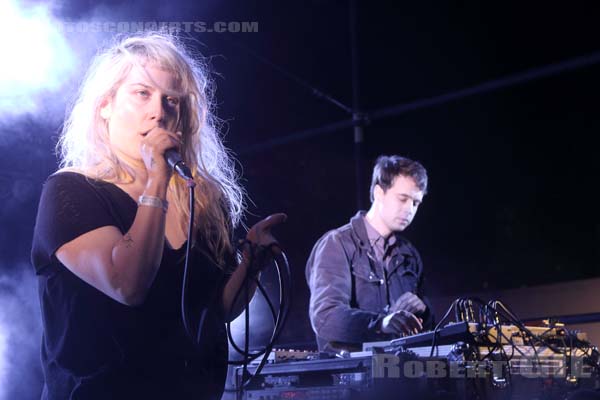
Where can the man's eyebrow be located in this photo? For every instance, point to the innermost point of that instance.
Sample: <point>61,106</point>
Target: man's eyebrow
<point>409,196</point>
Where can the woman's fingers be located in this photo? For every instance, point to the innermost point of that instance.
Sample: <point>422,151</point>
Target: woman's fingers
<point>260,233</point>
<point>271,221</point>
<point>260,236</point>
<point>153,146</point>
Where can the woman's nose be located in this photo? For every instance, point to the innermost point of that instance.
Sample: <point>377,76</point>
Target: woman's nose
<point>157,109</point>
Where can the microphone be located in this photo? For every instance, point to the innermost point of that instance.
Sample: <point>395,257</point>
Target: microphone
<point>175,161</point>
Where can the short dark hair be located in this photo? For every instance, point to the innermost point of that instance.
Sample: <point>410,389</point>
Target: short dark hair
<point>389,167</point>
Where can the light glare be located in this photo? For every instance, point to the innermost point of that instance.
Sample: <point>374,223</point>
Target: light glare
<point>36,57</point>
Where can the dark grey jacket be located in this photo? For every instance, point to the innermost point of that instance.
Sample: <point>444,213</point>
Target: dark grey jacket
<point>350,292</point>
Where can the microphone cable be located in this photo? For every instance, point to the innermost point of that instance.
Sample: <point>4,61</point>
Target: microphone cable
<point>284,277</point>
<point>188,247</point>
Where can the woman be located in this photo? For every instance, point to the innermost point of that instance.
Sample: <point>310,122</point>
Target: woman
<point>110,235</point>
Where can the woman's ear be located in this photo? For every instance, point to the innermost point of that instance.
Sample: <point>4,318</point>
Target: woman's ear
<point>106,109</point>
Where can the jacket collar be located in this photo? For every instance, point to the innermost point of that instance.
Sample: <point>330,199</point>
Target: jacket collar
<point>360,231</point>
<point>362,240</point>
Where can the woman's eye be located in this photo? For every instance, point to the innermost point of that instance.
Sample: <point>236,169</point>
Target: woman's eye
<point>143,93</point>
<point>173,101</point>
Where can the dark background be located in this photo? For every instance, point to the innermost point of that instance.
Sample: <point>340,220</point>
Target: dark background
<point>513,172</point>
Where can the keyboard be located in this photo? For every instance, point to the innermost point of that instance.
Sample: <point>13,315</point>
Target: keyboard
<point>449,334</point>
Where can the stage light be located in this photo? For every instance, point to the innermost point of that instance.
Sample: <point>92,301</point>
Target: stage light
<point>35,56</point>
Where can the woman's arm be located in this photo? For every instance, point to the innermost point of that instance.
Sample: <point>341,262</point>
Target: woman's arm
<point>123,266</point>
<point>258,236</point>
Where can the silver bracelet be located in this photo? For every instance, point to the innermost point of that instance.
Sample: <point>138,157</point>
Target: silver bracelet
<point>152,201</point>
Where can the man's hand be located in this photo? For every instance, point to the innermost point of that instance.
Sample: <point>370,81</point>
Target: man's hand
<point>409,302</point>
<point>401,322</point>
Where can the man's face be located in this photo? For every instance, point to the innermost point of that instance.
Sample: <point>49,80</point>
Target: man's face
<point>397,206</point>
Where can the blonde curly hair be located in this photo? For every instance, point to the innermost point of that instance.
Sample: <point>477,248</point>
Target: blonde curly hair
<point>84,143</point>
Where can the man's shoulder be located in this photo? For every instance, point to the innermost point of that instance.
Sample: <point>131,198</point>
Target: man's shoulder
<point>330,251</point>
<point>405,246</point>
<point>403,242</point>
<point>337,234</point>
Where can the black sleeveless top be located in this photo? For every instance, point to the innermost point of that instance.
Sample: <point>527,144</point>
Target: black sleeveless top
<point>94,347</point>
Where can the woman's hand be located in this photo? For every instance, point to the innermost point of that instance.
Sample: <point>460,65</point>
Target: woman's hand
<point>153,147</point>
<point>262,242</point>
<point>257,252</point>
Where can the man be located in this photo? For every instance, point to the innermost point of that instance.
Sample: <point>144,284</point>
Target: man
<point>365,279</point>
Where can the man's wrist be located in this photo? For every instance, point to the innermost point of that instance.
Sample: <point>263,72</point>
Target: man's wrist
<point>379,325</point>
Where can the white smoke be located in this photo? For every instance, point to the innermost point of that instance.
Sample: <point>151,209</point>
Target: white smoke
<point>20,335</point>
<point>3,365</point>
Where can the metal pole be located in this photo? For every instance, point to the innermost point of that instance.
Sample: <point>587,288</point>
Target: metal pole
<point>356,114</point>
